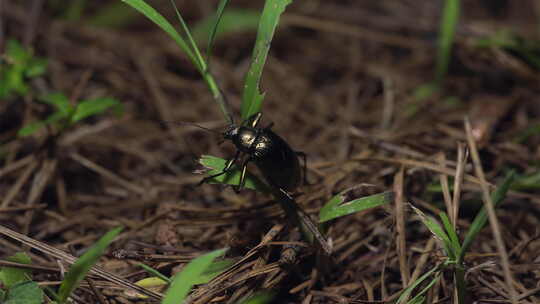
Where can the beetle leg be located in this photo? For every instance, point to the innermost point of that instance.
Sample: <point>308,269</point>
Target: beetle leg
<point>242,176</point>
<point>253,121</point>
<point>304,158</point>
<point>227,168</point>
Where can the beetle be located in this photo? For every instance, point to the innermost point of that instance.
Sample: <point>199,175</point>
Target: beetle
<point>277,161</point>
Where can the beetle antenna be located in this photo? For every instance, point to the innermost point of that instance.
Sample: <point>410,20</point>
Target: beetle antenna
<point>186,123</point>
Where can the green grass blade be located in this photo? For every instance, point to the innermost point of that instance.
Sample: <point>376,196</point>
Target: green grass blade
<point>251,97</point>
<point>217,164</point>
<point>446,37</point>
<point>155,273</point>
<point>216,268</point>
<point>215,25</point>
<point>91,107</point>
<point>340,206</point>
<point>481,218</point>
<point>160,21</point>
<point>407,291</point>
<point>199,60</point>
<point>184,281</point>
<point>437,231</point>
<point>80,268</point>
<point>419,298</point>
<point>454,239</point>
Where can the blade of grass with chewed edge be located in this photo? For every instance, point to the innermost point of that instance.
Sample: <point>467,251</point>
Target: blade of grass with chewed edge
<point>338,207</point>
<point>80,268</point>
<point>251,97</point>
<point>481,218</point>
<point>184,281</point>
<point>446,37</point>
<point>160,21</point>
<point>217,165</point>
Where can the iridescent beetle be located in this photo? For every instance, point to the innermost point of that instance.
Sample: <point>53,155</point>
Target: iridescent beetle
<point>276,160</point>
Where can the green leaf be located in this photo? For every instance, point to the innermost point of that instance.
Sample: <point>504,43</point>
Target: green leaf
<point>160,21</point>
<point>25,293</point>
<point>446,37</point>
<point>217,165</point>
<point>80,268</point>
<point>36,67</point>
<point>527,182</point>
<point>251,97</point>
<point>91,107</point>
<point>184,281</point>
<point>9,276</point>
<point>32,127</point>
<point>481,218</point>
<point>213,271</point>
<point>60,101</point>
<point>232,20</point>
<point>16,52</point>
<point>340,205</point>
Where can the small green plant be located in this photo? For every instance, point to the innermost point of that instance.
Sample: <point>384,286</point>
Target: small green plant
<point>454,249</point>
<point>66,114</point>
<point>17,286</point>
<point>17,66</point>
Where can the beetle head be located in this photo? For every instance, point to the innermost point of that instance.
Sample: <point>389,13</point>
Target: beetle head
<point>231,132</point>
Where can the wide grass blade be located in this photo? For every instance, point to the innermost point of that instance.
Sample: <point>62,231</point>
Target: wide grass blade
<point>446,37</point>
<point>251,97</point>
<point>217,165</point>
<point>80,268</point>
<point>184,281</point>
<point>481,218</point>
<point>338,206</point>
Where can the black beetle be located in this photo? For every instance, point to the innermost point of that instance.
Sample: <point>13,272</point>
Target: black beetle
<point>278,163</point>
<point>276,160</point>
